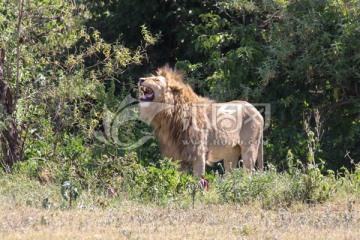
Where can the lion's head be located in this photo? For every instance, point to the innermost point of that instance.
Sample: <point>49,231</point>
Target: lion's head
<point>163,93</point>
<point>152,88</point>
<point>165,87</point>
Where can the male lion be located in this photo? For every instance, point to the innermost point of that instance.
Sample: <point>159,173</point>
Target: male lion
<point>196,130</point>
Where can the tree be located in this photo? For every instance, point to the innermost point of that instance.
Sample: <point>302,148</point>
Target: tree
<point>10,139</point>
<point>58,69</point>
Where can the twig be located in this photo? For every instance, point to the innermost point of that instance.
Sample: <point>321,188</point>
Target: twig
<point>23,144</point>
<point>218,5</point>
<point>21,2</point>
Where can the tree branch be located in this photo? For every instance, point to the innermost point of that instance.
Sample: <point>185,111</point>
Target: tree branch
<point>21,3</point>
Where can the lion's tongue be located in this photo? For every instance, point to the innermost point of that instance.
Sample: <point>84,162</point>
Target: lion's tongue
<point>148,96</point>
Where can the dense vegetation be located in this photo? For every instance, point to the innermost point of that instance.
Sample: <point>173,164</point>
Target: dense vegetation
<point>67,66</point>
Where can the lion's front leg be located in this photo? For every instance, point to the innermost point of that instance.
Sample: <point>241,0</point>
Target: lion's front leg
<point>201,153</point>
<point>199,166</point>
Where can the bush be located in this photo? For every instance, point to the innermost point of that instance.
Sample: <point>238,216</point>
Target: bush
<point>162,183</point>
<point>274,189</point>
<point>155,183</point>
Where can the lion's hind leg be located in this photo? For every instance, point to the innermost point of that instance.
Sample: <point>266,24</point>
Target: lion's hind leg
<point>232,158</point>
<point>248,155</point>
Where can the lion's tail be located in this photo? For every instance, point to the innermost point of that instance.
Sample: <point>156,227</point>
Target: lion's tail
<point>260,156</point>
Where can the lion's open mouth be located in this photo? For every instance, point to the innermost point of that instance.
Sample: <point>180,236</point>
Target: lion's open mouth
<point>146,94</point>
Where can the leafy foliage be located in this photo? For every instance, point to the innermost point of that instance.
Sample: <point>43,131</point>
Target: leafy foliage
<point>70,192</point>
<point>156,183</point>
<point>302,57</point>
<point>65,68</point>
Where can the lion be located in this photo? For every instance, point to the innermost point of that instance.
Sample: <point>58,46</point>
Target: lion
<point>196,130</point>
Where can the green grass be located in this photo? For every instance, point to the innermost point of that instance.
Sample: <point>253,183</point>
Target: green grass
<point>164,184</point>
<point>97,216</point>
<point>151,202</point>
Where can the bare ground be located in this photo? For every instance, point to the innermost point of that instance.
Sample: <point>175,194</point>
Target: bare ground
<point>129,220</point>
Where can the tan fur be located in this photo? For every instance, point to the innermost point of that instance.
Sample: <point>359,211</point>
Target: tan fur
<point>197,131</point>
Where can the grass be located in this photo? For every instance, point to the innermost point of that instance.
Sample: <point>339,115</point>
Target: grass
<point>134,221</point>
<point>25,214</point>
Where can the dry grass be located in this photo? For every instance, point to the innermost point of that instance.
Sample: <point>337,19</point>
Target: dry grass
<point>129,220</point>
<point>22,216</point>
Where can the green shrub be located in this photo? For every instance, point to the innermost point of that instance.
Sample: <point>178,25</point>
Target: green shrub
<point>273,189</point>
<point>155,183</point>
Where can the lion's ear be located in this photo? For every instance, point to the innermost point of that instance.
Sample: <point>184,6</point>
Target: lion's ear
<point>175,88</point>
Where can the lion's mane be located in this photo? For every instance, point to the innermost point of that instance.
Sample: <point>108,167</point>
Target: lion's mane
<point>174,127</point>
